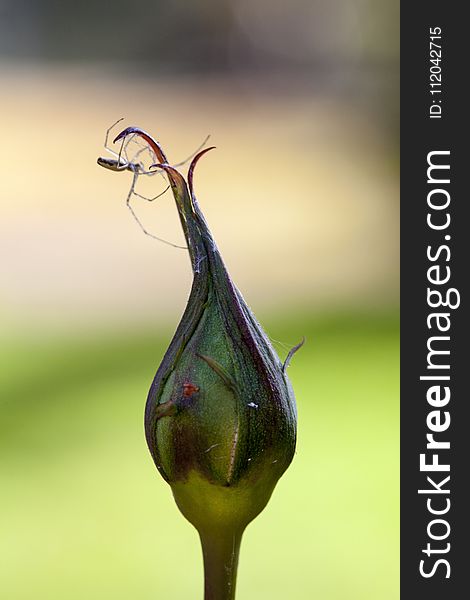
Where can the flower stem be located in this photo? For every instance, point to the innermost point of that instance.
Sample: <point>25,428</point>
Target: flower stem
<point>220,551</point>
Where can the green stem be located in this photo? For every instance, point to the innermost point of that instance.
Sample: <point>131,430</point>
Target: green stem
<point>220,550</point>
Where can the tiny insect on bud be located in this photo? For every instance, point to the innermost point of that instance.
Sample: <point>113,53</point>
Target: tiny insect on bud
<point>220,419</point>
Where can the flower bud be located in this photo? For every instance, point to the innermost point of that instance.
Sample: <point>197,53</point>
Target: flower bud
<point>220,419</point>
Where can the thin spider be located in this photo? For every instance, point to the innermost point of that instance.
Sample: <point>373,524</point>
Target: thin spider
<point>122,162</point>
<point>137,169</point>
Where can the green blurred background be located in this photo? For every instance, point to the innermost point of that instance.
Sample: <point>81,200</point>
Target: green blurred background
<point>301,100</point>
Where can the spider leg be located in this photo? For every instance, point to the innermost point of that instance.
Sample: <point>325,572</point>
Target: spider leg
<point>138,169</point>
<point>160,171</point>
<point>108,131</point>
<point>141,150</point>
<point>154,198</point>
<point>120,153</point>
<point>183,162</point>
<point>124,147</point>
<point>122,150</point>
<point>128,203</point>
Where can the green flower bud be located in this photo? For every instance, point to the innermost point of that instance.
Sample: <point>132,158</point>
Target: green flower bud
<point>220,419</point>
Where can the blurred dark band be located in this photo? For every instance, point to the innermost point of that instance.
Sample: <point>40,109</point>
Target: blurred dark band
<point>348,46</point>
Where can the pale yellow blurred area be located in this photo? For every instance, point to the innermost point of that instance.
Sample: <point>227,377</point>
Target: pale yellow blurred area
<point>301,195</point>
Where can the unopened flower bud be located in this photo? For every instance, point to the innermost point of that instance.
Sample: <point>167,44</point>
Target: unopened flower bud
<point>220,418</point>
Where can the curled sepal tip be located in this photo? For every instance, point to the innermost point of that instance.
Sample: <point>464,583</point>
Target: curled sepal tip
<point>147,137</point>
<point>192,166</point>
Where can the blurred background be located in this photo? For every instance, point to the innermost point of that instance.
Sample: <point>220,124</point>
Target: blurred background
<point>301,100</point>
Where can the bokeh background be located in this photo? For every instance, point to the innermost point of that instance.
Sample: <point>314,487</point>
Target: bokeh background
<point>301,100</point>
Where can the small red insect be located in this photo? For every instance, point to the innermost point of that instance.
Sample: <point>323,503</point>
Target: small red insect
<point>189,389</point>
